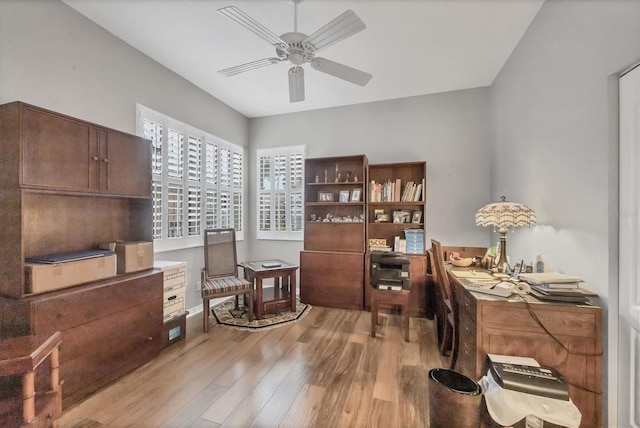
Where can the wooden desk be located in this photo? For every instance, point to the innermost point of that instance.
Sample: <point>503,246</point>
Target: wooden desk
<point>489,324</point>
<point>280,296</point>
<point>20,356</point>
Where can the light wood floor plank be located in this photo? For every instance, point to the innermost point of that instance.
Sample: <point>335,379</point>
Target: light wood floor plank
<point>322,371</point>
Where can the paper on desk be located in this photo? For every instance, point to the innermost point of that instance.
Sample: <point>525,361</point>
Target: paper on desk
<point>510,359</point>
<point>472,274</point>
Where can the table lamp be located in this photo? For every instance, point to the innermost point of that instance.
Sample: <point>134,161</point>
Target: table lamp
<point>504,214</point>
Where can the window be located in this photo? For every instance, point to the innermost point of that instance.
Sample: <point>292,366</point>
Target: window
<point>197,181</point>
<point>280,173</point>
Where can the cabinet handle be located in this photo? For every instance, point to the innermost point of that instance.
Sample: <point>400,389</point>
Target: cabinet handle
<point>149,338</point>
<point>105,160</point>
<point>95,158</point>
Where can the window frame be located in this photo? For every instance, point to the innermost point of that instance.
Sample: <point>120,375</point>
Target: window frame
<point>288,191</point>
<point>196,181</point>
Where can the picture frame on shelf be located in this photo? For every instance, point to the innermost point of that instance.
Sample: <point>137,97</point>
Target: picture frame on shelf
<point>355,195</point>
<point>417,217</point>
<point>325,197</point>
<point>382,217</point>
<point>398,216</point>
<point>344,196</point>
<point>406,216</point>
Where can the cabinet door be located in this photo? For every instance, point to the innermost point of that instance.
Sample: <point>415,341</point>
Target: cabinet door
<point>98,352</point>
<point>58,152</point>
<point>125,165</point>
<point>332,279</point>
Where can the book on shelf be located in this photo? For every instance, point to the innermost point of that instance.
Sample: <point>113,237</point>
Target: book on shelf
<point>418,193</point>
<point>385,248</point>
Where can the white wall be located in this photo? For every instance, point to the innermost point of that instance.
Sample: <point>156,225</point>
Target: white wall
<point>450,131</point>
<point>554,115</point>
<point>53,57</point>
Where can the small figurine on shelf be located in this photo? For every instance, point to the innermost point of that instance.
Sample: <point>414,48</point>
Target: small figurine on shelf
<point>312,217</point>
<point>355,178</point>
<point>326,177</point>
<point>348,177</point>
<point>338,176</point>
<point>317,179</point>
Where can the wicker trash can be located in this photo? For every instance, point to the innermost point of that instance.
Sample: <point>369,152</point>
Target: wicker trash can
<point>454,400</point>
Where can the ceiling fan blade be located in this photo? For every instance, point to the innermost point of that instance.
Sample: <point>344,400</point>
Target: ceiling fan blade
<point>254,26</point>
<point>341,71</point>
<point>340,28</point>
<point>232,71</point>
<point>296,84</point>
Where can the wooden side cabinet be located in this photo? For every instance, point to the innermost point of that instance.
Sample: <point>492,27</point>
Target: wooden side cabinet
<point>69,185</point>
<point>24,406</point>
<point>495,325</point>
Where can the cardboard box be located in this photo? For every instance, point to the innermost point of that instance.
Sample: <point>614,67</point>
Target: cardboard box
<point>134,256</point>
<point>43,277</point>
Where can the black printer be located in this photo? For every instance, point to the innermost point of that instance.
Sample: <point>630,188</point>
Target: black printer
<point>390,271</point>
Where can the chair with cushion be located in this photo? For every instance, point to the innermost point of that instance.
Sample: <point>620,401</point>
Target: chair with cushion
<point>220,274</point>
<point>449,343</point>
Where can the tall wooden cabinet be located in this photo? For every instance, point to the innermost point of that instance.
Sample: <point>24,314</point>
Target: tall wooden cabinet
<point>69,185</point>
<point>332,263</point>
<point>398,191</point>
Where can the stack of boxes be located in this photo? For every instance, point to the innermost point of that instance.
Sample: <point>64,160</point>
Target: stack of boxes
<point>174,309</point>
<point>415,241</point>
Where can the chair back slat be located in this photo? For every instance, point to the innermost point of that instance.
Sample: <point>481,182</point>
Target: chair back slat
<point>441,274</point>
<point>220,253</point>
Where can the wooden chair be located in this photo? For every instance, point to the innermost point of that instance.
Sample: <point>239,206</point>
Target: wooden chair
<point>449,343</point>
<point>380,297</point>
<point>220,274</point>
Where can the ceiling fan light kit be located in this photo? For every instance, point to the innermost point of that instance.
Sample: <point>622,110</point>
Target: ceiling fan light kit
<point>298,49</point>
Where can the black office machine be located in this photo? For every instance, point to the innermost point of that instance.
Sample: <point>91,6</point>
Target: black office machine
<point>544,381</point>
<point>390,271</point>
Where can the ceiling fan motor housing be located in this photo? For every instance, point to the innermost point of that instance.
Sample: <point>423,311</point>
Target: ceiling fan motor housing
<point>296,52</point>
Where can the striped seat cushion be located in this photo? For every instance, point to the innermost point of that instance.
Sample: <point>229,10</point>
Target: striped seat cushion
<point>224,285</point>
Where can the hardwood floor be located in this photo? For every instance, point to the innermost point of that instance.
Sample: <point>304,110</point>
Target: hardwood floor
<point>323,371</point>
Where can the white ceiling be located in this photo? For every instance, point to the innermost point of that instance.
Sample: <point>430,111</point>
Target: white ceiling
<point>411,47</point>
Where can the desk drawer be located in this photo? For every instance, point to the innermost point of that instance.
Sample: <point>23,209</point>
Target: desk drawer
<point>276,305</point>
<point>572,321</point>
<point>467,345</point>
<point>467,304</point>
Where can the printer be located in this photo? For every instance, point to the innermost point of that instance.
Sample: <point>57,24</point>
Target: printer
<point>390,271</point>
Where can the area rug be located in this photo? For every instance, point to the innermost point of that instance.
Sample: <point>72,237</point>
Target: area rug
<point>226,315</point>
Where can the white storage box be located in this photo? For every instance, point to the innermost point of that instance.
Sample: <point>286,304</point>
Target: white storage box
<point>175,286</point>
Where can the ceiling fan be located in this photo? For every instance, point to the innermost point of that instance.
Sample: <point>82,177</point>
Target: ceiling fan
<point>298,48</point>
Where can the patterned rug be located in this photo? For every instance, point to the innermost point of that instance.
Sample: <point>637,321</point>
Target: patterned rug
<point>225,314</point>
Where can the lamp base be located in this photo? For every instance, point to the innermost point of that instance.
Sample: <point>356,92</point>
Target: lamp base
<point>500,262</point>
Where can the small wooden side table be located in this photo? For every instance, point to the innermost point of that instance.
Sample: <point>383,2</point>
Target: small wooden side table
<point>20,356</point>
<point>389,298</point>
<point>281,297</point>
